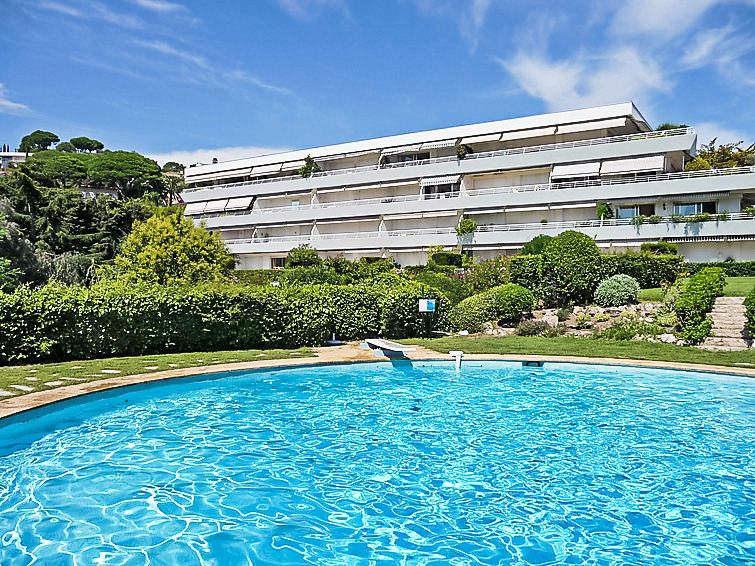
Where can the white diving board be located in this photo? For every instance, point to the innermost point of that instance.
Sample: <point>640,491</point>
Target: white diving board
<point>387,345</point>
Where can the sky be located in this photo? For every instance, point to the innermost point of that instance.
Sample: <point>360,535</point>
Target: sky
<point>188,80</point>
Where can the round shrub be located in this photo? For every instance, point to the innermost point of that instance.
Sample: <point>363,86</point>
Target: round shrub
<point>511,302</point>
<point>617,290</point>
<point>471,313</point>
<point>570,269</point>
<point>532,328</point>
<point>536,245</point>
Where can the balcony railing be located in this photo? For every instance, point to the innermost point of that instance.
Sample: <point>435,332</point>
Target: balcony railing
<point>489,191</point>
<point>532,226</point>
<point>481,155</point>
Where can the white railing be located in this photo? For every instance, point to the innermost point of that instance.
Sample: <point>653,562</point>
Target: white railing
<point>490,191</point>
<point>472,156</point>
<point>530,226</point>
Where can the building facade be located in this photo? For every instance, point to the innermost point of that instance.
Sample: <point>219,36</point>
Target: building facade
<point>9,160</point>
<point>396,196</point>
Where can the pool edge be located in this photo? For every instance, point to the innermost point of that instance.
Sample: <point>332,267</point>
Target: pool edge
<point>350,353</point>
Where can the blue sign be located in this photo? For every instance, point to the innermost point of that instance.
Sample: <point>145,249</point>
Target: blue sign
<point>427,305</point>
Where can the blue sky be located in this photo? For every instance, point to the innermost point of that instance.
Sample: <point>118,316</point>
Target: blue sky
<point>169,78</point>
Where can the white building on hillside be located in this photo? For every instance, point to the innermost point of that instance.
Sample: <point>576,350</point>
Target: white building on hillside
<point>396,196</point>
<point>9,160</point>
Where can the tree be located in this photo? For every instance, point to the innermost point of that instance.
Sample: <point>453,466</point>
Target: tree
<point>603,210</point>
<point>87,144</point>
<point>536,245</point>
<point>127,172</point>
<point>310,166</point>
<point>57,168</point>
<point>167,248</point>
<point>20,263</point>
<point>173,167</point>
<point>722,157</point>
<point>67,147</point>
<point>38,140</point>
<point>570,269</point>
<point>670,126</point>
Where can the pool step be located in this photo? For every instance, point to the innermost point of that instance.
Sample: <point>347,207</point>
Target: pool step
<point>729,332</point>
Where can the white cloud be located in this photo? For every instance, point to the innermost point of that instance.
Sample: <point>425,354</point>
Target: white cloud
<point>206,155</point>
<point>706,131</point>
<point>303,8</point>
<point>469,15</point>
<point>166,49</point>
<point>92,11</point>
<point>718,46</point>
<point>581,81</point>
<point>61,9</point>
<point>161,6</point>
<point>664,18</point>
<point>8,106</point>
<point>246,77</point>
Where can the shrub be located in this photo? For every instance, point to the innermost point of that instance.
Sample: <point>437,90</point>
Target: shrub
<point>526,271</point>
<point>536,245</point>
<point>628,330</point>
<point>571,269</point>
<point>696,300</point>
<point>454,289</point>
<point>584,320</point>
<point>310,275</point>
<point>303,256</point>
<point>667,319</point>
<point>617,290</point>
<point>650,270</point>
<point>731,268</point>
<point>511,302</point>
<point>601,317</point>
<point>563,314</point>
<point>750,312</point>
<point>118,319</point>
<point>488,274</point>
<point>466,226</point>
<point>659,248</point>
<point>255,276</point>
<point>471,313</point>
<point>655,218</point>
<point>446,258</point>
<point>603,210</point>
<point>699,217</point>
<point>531,328</point>
<point>638,220</point>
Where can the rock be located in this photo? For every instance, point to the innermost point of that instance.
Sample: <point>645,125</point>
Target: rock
<point>463,333</point>
<point>595,310</point>
<point>551,320</point>
<point>667,338</point>
<point>577,310</point>
<point>488,328</point>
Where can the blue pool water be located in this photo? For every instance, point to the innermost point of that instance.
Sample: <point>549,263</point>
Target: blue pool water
<point>382,464</point>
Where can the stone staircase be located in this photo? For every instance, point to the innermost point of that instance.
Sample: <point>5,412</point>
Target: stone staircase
<point>729,332</point>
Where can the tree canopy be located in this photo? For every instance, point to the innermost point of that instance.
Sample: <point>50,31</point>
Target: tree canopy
<point>173,167</point>
<point>129,173</point>
<point>725,155</point>
<point>168,249</point>
<point>68,147</point>
<point>87,144</point>
<point>38,140</point>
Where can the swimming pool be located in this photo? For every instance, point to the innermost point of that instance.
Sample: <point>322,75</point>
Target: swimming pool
<point>383,463</point>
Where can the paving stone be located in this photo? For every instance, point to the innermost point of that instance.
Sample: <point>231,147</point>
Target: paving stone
<point>53,383</point>
<point>31,379</point>
<point>22,387</point>
<point>110,371</point>
<point>151,367</point>
<point>73,378</point>
<point>4,393</point>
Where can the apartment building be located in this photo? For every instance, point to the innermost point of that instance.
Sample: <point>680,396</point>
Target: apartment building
<point>9,160</point>
<point>396,196</point>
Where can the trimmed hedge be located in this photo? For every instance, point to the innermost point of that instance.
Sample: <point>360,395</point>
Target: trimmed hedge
<point>506,302</point>
<point>696,300</point>
<point>447,258</point>
<point>64,323</point>
<point>650,270</point>
<point>256,276</point>
<point>731,268</point>
<point>454,289</point>
<point>617,290</point>
<point>750,312</point>
<point>571,269</point>
<point>526,271</point>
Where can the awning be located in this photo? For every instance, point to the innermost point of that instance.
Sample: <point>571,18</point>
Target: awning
<point>523,134</point>
<point>263,169</point>
<point>293,165</point>
<point>188,178</point>
<point>239,203</point>
<point>194,208</point>
<point>576,170</point>
<point>439,144</point>
<point>698,196</point>
<point>348,155</point>
<point>481,139</point>
<point>402,149</point>
<point>598,125</point>
<point>447,180</point>
<point>216,205</point>
<point>633,165</point>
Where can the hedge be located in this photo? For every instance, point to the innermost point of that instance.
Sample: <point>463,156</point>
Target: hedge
<point>526,271</point>
<point>650,270</point>
<point>447,258</point>
<point>750,313</point>
<point>731,268</point>
<point>454,289</point>
<point>506,302</point>
<point>256,276</point>
<point>56,323</point>
<point>570,270</point>
<point>696,300</point>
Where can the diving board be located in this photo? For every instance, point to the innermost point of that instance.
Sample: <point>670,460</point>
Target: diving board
<point>388,348</point>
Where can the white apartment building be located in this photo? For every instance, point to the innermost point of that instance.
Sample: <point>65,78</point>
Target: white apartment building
<point>396,196</point>
<point>11,159</point>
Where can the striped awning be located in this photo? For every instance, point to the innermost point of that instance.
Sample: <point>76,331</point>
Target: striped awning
<point>216,205</point>
<point>633,165</point>
<point>446,180</point>
<point>195,208</point>
<point>597,125</point>
<point>263,169</point>
<point>533,133</point>
<point>481,139</point>
<point>293,165</point>
<point>699,196</point>
<point>402,149</point>
<point>239,203</point>
<point>439,144</point>
<point>576,170</point>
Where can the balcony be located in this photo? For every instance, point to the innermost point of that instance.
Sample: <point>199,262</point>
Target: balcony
<point>670,184</point>
<point>504,235</point>
<point>681,139</point>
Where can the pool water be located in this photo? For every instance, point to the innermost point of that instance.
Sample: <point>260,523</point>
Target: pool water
<point>389,464</point>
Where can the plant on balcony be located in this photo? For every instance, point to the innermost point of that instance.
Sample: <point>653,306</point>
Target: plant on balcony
<point>677,218</point>
<point>310,166</point>
<point>699,217</point>
<point>466,226</point>
<point>655,218</point>
<point>723,216</point>
<point>544,221</point>
<point>638,220</point>
<point>604,211</point>
<point>463,150</point>
<point>749,211</point>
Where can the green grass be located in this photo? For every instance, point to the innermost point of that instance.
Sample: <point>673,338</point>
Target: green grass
<point>42,377</point>
<point>735,287</point>
<point>588,347</point>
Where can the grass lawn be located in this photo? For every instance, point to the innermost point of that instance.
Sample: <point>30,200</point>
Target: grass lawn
<point>41,377</point>
<point>735,287</point>
<point>588,347</point>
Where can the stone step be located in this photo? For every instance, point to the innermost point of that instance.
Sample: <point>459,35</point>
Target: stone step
<point>720,348</point>
<point>732,342</point>
<point>733,330</point>
<point>717,310</point>
<point>730,300</point>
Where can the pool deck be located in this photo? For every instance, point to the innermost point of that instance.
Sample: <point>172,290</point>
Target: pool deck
<point>348,353</point>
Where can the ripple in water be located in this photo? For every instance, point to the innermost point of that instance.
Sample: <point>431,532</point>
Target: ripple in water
<point>381,464</point>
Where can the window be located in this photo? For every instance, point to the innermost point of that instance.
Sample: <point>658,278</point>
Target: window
<point>294,203</point>
<point>278,262</point>
<point>632,210</point>
<point>688,208</point>
<point>440,191</point>
<point>415,156</point>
